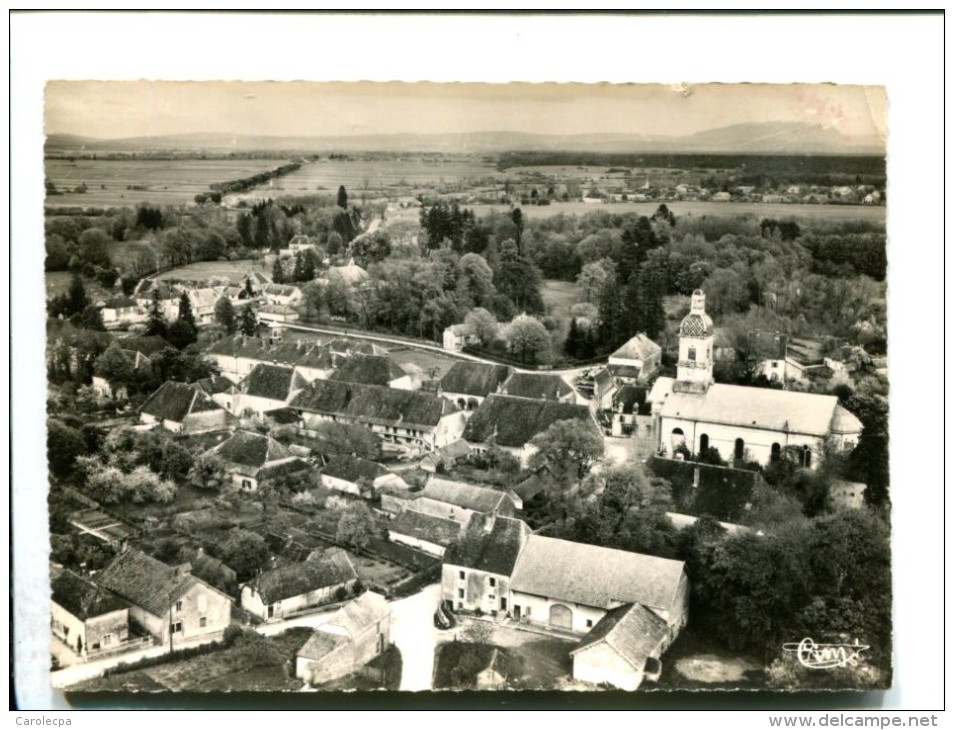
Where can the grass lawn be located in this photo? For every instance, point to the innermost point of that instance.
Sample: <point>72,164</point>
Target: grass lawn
<point>559,296</point>
<point>432,365</point>
<point>536,663</point>
<point>378,571</point>
<point>697,662</point>
<point>234,271</point>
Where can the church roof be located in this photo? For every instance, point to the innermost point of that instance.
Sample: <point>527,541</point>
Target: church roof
<point>764,408</point>
<point>639,347</point>
<point>696,324</point>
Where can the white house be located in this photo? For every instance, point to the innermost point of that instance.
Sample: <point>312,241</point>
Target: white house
<point>251,458</point>
<point>458,336</point>
<point>87,618</point>
<point>266,388</point>
<point>375,370</point>
<point>468,383</point>
<point>359,477</point>
<point>185,409</point>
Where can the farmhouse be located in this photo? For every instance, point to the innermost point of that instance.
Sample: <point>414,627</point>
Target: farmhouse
<point>459,336</point>
<point>282,294</point>
<point>749,423</point>
<point>541,386</point>
<point>446,457</point>
<point>252,458</point>
<point>237,355</point>
<point>458,501</point>
<point>423,532</point>
<point>510,423</point>
<point>360,477</point>
<point>411,418</point>
<point>477,567</point>
<point>278,313</point>
<point>294,588</point>
<point>169,603</point>
<point>87,618</point>
<point>467,383</point>
<point>300,243</point>
<point>122,310</point>
<point>184,409</point>
<point>374,370</point>
<point>357,633</point>
<point>137,364</point>
<point>266,388</point>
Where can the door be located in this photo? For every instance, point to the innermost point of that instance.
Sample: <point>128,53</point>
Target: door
<point>561,617</point>
<point>271,611</point>
<point>516,611</point>
<point>503,604</point>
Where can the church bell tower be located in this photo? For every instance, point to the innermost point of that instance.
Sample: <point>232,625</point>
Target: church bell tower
<point>694,369</point>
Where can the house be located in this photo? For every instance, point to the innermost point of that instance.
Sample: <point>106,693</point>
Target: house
<point>278,313</point>
<point>184,409</point>
<point>459,501</point>
<point>721,197</point>
<point>423,532</point>
<point>408,418</point>
<point>297,587</point>
<point>266,388</point>
<point>459,336</point>
<point>623,649</point>
<point>510,423</point>
<point>237,355</point>
<point>590,582</point>
<point>256,281</point>
<point>360,477</point>
<point>122,310</point>
<point>344,347</point>
<point>168,602</point>
<point>847,495</point>
<point>446,457</point>
<point>300,243</point>
<point>533,488</point>
<point>211,570</point>
<point>748,423</point>
<point>251,458</point>
<point>467,383</point>
<point>541,386</point>
<point>357,633</point>
<point>374,370</point>
<point>88,619</point>
<point>631,413</point>
<point>138,363</point>
<point>219,388</point>
<point>203,304</point>
<point>639,353</point>
<point>282,294</point>
<point>477,567</point>
<point>768,351</point>
<point>350,275</point>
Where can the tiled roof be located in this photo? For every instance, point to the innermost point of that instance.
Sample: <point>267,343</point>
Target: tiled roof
<point>515,421</point>
<point>369,370</point>
<point>148,345</point>
<point>251,449</point>
<point>474,378</point>
<point>82,598</point>
<point>214,385</point>
<point>495,551</point>
<point>765,408</point>
<point>536,385</point>
<point>321,644</point>
<point>174,401</point>
<point>357,615</point>
<point>120,303</point>
<point>282,416</point>
<point>344,346</point>
<point>436,530</point>
<point>240,346</point>
<point>351,274</point>
<point>454,450</point>
<point>373,403</point>
<point>353,468</point>
<point>595,576</point>
<point>281,290</point>
<point>145,581</point>
<point>639,347</point>
<point>211,570</point>
<point>282,468</point>
<point>274,382</point>
<point>468,496</point>
<point>633,631</point>
<point>333,569</point>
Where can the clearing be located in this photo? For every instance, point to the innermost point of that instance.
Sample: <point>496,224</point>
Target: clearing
<point>234,271</point>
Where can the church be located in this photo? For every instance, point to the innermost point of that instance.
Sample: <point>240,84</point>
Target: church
<point>743,423</point>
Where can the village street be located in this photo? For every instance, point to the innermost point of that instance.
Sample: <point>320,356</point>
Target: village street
<point>412,630</point>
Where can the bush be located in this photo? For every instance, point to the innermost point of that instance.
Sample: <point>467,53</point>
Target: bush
<point>358,588</point>
<point>341,593</point>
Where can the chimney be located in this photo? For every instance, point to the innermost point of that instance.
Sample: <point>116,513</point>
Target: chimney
<point>489,520</point>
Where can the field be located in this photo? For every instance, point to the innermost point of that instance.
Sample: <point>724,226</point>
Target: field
<point>234,271</point>
<point>166,182</point>
<point>377,177</point>
<point>430,363</point>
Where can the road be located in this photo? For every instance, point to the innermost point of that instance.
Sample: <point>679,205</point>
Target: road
<point>412,630</point>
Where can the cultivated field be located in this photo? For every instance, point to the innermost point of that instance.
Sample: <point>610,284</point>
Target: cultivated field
<point>166,182</point>
<point>234,271</point>
<point>376,177</point>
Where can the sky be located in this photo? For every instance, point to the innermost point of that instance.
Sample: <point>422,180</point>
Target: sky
<point>118,109</point>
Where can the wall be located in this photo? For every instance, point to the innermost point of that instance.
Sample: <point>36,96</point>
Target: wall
<point>337,663</point>
<point>405,383</point>
<point>202,602</point>
<point>600,663</point>
<point>252,600</point>
<point>540,611</point>
<point>478,593</point>
<point>442,509</point>
<point>428,547</point>
<point>114,624</point>
<point>449,429</point>
<point>340,485</point>
<point>67,627</point>
<point>243,402</point>
<point>205,421</point>
<point>471,402</point>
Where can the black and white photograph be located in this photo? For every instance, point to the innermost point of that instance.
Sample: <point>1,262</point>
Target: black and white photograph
<point>459,386</point>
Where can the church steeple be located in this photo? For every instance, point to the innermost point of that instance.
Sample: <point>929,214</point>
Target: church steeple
<point>695,345</point>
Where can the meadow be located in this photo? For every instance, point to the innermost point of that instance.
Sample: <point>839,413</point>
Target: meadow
<point>164,182</point>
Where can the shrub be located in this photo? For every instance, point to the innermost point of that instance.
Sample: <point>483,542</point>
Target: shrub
<point>358,588</point>
<point>341,593</point>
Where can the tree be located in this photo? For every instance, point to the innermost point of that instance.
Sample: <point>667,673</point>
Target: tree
<point>225,315</point>
<point>185,310</point>
<point>278,271</point>
<point>593,278</point>
<point>63,445</point>
<point>516,215</point>
<point>528,337</point>
<point>483,323</point>
<point>569,448</point>
<point>181,334</point>
<point>342,197</point>
<point>91,318</point>
<point>114,367</point>
<point>155,322</point>
<point>477,632</point>
<point>356,525</point>
<point>475,287</point>
<point>371,248</point>
<point>249,325</point>
<point>246,553</point>
<point>208,472</point>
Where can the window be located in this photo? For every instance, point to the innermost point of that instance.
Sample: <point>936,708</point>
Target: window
<point>246,484</point>
<point>66,630</point>
<point>202,622</point>
<point>493,582</point>
<point>528,611</point>
<point>692,354</point>
<point>492,597</point>
<point>178,606</point>
<point>107,639</point>
<point>589,623</point>
<point>460,592</point>
<point>176,627</point>
<point>462,575</point>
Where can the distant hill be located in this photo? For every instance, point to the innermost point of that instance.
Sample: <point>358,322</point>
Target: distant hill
<point>754,138</point>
